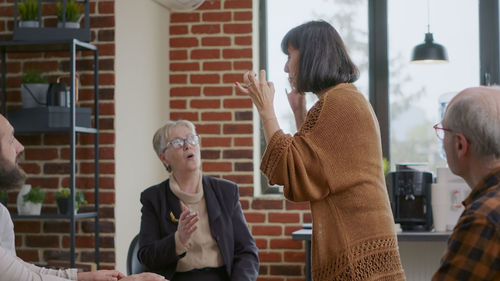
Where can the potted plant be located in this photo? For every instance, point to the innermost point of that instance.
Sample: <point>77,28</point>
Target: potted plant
<point>32,202</point>
<point>70,19</point>
<point>3,197</point>
<point>28,12</point>
<point>62,200</point>
<point>34,89</point>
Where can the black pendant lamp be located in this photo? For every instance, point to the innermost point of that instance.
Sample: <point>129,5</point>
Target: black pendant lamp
<point>429,52</point>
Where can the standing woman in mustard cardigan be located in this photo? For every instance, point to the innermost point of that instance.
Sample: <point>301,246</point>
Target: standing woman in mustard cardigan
<point>334,161</point>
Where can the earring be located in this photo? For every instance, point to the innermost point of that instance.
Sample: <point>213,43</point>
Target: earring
<point>169,169</point>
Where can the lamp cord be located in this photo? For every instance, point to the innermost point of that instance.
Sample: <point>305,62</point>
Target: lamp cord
<point>428,17</point>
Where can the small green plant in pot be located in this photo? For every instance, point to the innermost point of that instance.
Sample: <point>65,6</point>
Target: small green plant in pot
<point>72,15</point>
<point>62,200</point>
<point>3,197</point>
<point>34,89</point>
<point>28,13</point>
<point>32,202</point>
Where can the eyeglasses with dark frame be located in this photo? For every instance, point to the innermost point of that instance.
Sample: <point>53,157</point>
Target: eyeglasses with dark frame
<point>440,131</point>
<point>179,142</point>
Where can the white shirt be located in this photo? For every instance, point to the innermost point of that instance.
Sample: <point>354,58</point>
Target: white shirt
<point>6,231</point>
<point>13,268</point>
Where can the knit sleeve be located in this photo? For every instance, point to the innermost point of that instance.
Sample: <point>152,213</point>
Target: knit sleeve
<point>337,147</point>
<point>293,162</point>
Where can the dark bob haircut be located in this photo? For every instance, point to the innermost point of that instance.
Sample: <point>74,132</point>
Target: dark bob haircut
<point>323,58</point>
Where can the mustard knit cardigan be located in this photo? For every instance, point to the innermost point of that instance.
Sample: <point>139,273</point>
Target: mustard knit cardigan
<point>335,163</point>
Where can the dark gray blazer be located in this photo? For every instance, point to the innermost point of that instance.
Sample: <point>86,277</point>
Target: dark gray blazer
<point>227,225</point>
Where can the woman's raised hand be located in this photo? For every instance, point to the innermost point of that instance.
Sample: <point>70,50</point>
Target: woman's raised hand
<point>297,102</point>
<point>187,225</point>
<point>260,91</point>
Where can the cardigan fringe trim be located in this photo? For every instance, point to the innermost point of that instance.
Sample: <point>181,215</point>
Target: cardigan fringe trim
<point>276,154</point>
<point>312,117</point>
<point>376,259</point>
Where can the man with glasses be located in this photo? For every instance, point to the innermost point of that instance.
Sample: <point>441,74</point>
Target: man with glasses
<point>470,131</point>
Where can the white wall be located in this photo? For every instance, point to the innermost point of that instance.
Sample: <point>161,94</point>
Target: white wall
<point>141,106</point>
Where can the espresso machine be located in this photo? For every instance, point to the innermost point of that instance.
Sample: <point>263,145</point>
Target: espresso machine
<point>410,195</point>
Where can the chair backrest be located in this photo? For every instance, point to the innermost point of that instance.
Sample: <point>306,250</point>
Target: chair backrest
<point>134,266</point>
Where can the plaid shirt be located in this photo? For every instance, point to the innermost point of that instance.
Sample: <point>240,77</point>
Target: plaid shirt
<point>474,246</point>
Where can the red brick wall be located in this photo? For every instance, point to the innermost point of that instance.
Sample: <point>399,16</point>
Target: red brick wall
<point>210,49</point>
<point>46,156</point>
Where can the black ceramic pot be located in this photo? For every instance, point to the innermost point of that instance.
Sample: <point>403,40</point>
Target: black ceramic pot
<point>62,206</point>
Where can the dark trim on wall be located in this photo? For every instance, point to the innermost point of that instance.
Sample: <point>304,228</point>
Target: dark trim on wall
<point>489,46</point>
<point>263,34</point>
<point>379,68</point>
<point>266,188</point>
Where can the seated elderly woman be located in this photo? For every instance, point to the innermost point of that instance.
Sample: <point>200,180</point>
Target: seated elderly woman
<point>192,225</point>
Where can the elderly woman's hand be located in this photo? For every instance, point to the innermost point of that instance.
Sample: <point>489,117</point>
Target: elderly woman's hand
<point>260,91</point>
<point>187,225</point>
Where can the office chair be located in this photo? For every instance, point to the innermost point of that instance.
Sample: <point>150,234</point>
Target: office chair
<point>134,266</point>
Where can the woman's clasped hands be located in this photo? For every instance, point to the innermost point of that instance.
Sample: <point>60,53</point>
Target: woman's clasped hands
<point>187,225</point>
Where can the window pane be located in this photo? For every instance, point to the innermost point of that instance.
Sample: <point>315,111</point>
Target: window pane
<point>417,89</point>
<point>349,17</point>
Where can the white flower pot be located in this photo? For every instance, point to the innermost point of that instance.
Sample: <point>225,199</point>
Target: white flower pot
<point>30,208</point>
<point>24,190</point>
<point>29,23</point>
<point>69,24</point>
<point>27,208</point>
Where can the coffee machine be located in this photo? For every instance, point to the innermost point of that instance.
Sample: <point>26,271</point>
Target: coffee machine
<point>410,195</point>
